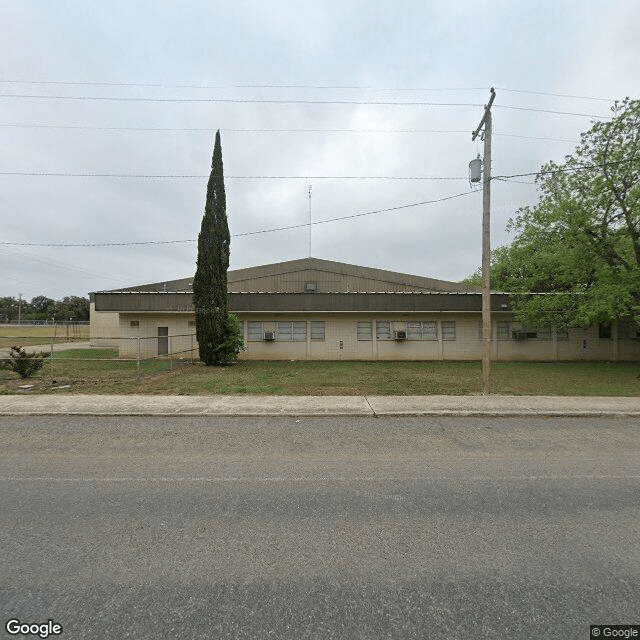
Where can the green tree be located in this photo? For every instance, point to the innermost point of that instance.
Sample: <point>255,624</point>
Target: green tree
<point>580,244</point>
<point>40,308</point>
<point>214,328</point>
<point>74,307</point>
<point>8,309</point>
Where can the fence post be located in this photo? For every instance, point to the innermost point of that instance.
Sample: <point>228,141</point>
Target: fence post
<point>138,358</point>
<point>170,352</point>
<point>191,348</point>
<point>51,357</point>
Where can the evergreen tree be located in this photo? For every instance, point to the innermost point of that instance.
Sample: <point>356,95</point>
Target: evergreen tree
<point>214,329</point>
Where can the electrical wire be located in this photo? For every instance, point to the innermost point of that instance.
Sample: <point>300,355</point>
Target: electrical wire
<point>236,86</point>
<point>56,265</point>
<point>583,167</point>
<point>296,101</point>
<point>224,130</point>
<point>243,100</point>
<point>590,167</point>
<point>297,86</point>
<point>239,235</point>
<point>200,176</point>
<point>555,95</point>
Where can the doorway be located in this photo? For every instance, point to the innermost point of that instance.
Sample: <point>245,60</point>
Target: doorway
<point>163,341</point>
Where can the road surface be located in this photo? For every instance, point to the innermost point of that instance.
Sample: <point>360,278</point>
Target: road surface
<point>320,527</point>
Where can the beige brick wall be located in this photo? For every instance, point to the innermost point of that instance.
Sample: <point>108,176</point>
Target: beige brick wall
<point>145,336</point>
<point>341,340</point>
<point>104,328</point>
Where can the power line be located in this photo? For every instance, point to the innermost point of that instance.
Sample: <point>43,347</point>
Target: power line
<point>306,177</point>
<point>553,111</point>
<point>239,235</point>
<point>237,86</point>
<point>296,86</point>
<point>283,101</point>
<point>582,167</point>
<point>199,176</point>
<point>556,95</point>
<point>241,100</point>
<point>224,130</point>
<point>58,265</point>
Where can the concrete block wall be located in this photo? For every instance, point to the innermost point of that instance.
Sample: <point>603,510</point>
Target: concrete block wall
<point>341,340</point>
<point>104,328</point>
<point>145,333</point>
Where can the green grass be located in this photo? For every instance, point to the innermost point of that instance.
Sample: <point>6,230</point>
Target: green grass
<point>95,371</point>
<point>26,335</point>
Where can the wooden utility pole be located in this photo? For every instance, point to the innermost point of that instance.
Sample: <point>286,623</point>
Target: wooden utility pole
<point>486,245</point>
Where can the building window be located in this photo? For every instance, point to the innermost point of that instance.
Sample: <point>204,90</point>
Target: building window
<point>562,334</point>
<point>134,323</point>
<point>502,330</point>
<point>448,330</point>
<point>414,331</point>
<point>383,330</point>
<point>317,330</point>
<point>254,331</point>
<point>364,330</point>
<point>628,330</point>
<point>426,330</point>
<point>300,331</point>
<point>292,331</point>
<point>192,323</point>
<point>604,331</point>
<point>544,333</point>
<point>525,333</point>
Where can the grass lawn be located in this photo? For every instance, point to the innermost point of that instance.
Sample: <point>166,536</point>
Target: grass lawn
<point>25,335</point>
<point>93,371</point>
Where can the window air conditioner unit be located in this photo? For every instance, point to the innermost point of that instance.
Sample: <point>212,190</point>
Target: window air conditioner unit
<point>519,335</point>
<point>269,335</point>
<point>399,335</point>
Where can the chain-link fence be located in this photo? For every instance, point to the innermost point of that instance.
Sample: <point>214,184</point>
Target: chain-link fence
<point>74,358</point>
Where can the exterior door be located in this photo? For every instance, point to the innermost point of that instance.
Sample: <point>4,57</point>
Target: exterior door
<point>163,341</point>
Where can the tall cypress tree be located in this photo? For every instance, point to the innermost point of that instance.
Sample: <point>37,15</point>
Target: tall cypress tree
<point>210,282</point>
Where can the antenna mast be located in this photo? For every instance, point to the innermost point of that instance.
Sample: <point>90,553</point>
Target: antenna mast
<point>309,220</point>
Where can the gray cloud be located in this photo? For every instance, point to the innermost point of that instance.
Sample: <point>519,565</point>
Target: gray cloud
<point>576,49</point>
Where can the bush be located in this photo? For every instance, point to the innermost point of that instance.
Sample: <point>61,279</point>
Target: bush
<point>23,363</point>
<point>228,350</point>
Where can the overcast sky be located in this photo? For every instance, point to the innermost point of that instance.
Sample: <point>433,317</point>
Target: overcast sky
<point>345,52</point>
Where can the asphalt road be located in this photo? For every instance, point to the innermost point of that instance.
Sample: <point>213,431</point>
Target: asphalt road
<point>320,527</point>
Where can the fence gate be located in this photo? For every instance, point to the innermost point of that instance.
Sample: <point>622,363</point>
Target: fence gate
<point>163,341</point>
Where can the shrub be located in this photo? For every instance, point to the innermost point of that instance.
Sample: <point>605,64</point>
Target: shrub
<point>23,363</point>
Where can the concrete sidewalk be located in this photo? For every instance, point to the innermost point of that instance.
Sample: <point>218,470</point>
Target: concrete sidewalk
<point>149,405</point>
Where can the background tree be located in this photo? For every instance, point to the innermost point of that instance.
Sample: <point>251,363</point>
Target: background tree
<point>581,241</point>
<point>44,308</point>
<point>215,330</point>
<point>74,307</point>
<point>41,308</point>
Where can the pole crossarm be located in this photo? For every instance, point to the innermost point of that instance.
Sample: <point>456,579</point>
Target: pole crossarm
<point>487,109</point>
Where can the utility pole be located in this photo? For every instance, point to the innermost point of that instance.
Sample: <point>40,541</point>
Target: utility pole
<point>309,220</point>
<point>486,245</point>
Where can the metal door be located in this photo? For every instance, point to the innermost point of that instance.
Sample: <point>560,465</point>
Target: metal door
<point>163,341</point>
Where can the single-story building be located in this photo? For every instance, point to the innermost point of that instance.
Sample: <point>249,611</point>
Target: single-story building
<point>312,309</point>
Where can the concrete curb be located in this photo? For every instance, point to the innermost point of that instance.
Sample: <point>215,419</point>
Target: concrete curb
<point>225,406</point>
